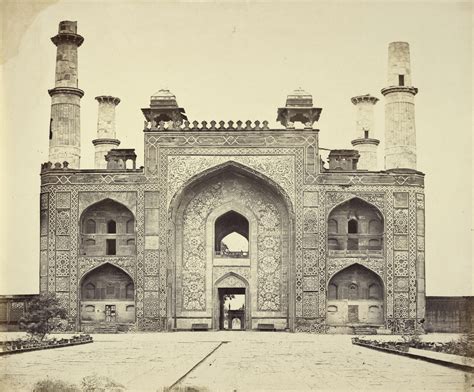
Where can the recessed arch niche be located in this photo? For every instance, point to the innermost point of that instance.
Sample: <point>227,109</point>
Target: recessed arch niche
<point>110,291</point>
<point>261,213</point>
<point>355,296</point>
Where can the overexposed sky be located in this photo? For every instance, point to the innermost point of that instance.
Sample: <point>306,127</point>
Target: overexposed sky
<point>238,61</point>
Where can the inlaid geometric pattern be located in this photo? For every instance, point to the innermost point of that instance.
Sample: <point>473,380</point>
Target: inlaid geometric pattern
<point>151,283</point>
<point>310,304</point>
<point>310,283</point>
<point>63,222</point>
<point>152,262</point>
<point>63,242</point>
<point>310,220</point>
<point>401,284</point>
<point>151,304</point>
<point>310,262</point>
<point>62,263</point>
<point>400,242</point>
<point>400,261</point>
<point>400,225</point>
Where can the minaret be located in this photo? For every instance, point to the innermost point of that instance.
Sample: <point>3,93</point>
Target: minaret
<point>364,140</point>
<point>64,128</point>
<point>400,135</point>
<point>106,140</point>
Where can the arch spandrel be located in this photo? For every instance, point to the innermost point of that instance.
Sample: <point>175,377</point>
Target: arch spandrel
<point>335,199</point>
<point>276,171</point>
<point>334,266</point>
<point>126,199</point>
<point>231,279</point>
<point>89,264</point>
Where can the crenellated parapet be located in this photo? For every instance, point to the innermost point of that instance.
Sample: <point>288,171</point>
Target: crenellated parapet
<point>151,126</point>
<point>55,166</point>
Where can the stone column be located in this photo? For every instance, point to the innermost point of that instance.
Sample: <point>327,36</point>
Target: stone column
<point>400,134</point>
<point>64,129</point>
<point>105,130</point>
<point>364,141</point>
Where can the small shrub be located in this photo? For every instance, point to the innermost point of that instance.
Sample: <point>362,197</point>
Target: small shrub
<point>54,386</point>
<point>43,315</point>
<point>97,383</point>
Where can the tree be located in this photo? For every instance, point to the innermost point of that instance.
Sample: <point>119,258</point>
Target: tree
<point>43,314</point>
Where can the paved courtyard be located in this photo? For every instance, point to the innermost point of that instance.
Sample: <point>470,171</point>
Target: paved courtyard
<point>231,361</point>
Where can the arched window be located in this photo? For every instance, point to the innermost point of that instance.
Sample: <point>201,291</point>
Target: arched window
<point>130,226</point>
<point>353,291</point>
<point>352,226</point>
<point>111,227</point>
<point>90,308</point>
<point>90,226</point>
<point>231,235</point>
<point>131,241</point>
<point>332,226</point>
<point>332,291</point>
<point>130,308</point>
<point>374,291</point>
<point>90,242</point>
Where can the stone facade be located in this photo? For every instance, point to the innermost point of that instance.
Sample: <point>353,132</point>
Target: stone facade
<point>157,226</point>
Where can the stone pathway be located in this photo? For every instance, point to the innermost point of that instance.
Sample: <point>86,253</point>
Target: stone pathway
<point>249,361</point>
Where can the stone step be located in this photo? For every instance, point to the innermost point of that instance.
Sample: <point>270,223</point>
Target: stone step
<point>365,331</point>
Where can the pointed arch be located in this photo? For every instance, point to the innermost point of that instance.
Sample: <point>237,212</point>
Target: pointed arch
<point>236,168</point>
<point>108,281</point>
<point>110,234</point>
<point>109,291</point>
<point>354,197</point>
<point>361,227</point>
<point>375,278</point>
<point>220,282</point>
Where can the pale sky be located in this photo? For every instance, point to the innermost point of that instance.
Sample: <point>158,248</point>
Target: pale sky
<point>238,61</point>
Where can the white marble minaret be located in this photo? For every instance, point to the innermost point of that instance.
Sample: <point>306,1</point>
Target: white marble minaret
<point>400,134</point>
<point>106,139</point>
<point>65,127</point>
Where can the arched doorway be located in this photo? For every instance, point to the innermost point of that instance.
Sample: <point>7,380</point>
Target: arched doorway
<point>107,295</point>
<point>231,299</point>
<point>355,297</point>
<point>231,201</point>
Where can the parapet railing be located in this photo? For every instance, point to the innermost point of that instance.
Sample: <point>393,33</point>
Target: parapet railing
<point>206,126</point>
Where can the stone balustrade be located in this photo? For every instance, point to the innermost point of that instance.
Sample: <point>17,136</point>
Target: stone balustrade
<point>206,126</point>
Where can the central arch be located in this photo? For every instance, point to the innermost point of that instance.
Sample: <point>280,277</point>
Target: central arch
<point>260,213</point>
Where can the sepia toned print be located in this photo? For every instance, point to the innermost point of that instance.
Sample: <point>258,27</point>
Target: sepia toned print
<point>232,255</point>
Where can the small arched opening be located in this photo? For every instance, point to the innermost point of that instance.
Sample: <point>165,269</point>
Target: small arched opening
<point>356,292</point>
<point>231,235</point>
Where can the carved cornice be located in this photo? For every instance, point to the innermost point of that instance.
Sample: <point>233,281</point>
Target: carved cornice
<point>66,90</point>
<point>97,142</point>
<point>357,142</point>
<point>68,38</point>
<point>399,89</point>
